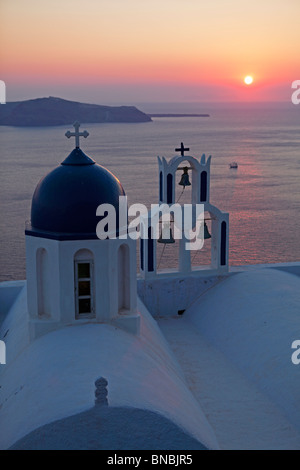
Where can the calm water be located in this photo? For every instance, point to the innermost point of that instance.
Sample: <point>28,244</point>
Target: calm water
<point>262,196</point>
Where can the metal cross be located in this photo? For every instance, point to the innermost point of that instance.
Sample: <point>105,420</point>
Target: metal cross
<point>77,134</point>
<point>182,149</point>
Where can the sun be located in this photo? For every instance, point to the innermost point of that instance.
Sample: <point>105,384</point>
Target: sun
<point>248,80</point>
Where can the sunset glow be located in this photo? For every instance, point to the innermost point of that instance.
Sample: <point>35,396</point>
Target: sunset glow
<point>148,50</point>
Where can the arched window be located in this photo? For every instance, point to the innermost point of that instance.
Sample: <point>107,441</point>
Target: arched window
<point>123,278</point>
<point>84,284</point>
<point>160,186</point>
<point>43,283</point>
<point>150,251</point>
<point>169,189</point>
<point>203,194</point>
<point>223,255</point>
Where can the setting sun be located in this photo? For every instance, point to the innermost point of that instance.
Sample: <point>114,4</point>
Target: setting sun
<point>248,80</point>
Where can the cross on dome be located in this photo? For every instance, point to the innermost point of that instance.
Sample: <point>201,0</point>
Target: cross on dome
<point>182,149</point>
<point>77,134</point>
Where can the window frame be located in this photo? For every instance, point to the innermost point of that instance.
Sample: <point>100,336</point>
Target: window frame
<point>92,313</point>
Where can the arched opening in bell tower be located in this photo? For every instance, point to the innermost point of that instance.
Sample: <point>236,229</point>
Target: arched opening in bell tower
<point>202,257</point>
<point>184,182</point>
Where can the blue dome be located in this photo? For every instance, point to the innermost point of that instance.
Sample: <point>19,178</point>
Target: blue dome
<point>65,201</point>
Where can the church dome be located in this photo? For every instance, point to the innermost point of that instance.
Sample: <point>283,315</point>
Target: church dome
<point>65,201</point>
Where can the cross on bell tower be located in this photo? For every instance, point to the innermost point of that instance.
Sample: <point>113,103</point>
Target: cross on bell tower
<point>77,134</point>
<point>182,149</point>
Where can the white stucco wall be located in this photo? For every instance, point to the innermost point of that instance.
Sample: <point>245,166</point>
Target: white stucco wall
<point>9,292</point>
<point>60,281</point>
<point>166,296</point>
<point>253,318</point>
<point>54,378</point>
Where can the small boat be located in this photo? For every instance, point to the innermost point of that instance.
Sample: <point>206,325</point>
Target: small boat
<point>233,165</point>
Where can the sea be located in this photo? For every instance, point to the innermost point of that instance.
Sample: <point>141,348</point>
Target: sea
<point>262,195</point>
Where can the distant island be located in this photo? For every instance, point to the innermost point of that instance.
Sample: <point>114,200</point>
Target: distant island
<point>57,112</point>
<point>177,115</point>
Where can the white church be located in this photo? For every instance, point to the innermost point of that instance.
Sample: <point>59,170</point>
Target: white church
<point>102,355</point>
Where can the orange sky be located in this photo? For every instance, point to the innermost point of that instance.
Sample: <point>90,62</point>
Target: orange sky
<point>143,50</point>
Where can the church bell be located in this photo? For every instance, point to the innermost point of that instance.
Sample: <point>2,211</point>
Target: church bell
<point>166,235</point>
<point>185,179</point>
<point>207,235</point>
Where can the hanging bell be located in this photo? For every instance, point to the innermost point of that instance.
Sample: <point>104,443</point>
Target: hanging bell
<point>185,179</point>
<point>206,234</point>
<point>166,235</point>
